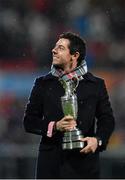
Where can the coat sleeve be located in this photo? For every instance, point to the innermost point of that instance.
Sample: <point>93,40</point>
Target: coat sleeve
<point>33,117</point>
<point>105,118</point>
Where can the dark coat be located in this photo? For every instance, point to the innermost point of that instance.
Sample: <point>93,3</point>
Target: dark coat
<point>95,118</point>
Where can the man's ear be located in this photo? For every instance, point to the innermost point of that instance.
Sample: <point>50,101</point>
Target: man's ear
<point>76,55</point>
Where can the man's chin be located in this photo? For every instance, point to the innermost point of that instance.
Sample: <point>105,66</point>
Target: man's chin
<point>57,66</point>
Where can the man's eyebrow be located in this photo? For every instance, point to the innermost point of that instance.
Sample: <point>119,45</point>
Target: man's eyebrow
<point>60,45</point>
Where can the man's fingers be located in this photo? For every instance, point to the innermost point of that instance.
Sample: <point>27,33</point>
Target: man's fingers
<point>68,118</point>
<point>84,139</point>
<point>72,123</point>
<point>91,145</point>
<point>66,123</point>
<point>87,149</point>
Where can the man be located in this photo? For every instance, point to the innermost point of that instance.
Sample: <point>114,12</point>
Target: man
<point>44,115</point>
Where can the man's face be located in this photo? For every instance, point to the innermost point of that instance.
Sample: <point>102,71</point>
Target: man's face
<point>61,53</point>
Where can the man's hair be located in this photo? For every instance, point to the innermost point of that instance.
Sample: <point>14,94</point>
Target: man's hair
<point>77,44</point>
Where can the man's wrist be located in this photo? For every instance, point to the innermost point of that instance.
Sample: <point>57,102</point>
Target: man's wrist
<point>56,128</point>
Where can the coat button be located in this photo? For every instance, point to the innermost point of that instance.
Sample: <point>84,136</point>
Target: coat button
<point>80,122</point>
<point>81,102</point>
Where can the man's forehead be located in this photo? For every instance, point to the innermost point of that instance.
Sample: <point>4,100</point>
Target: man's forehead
<point>62,41</point>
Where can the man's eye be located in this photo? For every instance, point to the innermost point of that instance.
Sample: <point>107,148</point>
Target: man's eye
<point>62,48</point>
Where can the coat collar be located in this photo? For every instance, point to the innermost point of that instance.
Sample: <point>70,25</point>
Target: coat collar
<point>88,77</point>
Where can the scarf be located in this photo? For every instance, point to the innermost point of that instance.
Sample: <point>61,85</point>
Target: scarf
<point>78,72</point>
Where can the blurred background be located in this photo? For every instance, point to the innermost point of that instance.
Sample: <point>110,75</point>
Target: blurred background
<point>28,32</point>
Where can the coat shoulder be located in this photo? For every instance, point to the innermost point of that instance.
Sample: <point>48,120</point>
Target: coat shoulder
<point>45,77</point>
<point>93,78</point>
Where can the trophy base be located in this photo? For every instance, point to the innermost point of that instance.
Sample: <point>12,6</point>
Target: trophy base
<point>73,145</point>
<point>71,140</point>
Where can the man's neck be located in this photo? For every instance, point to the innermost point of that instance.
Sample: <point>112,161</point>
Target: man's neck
<point>69,68</point>
<point>65,69</point>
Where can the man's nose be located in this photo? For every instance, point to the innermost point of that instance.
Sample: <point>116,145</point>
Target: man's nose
<point>54,51</point>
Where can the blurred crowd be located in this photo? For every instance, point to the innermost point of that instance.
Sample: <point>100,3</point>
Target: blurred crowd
<point>29,28</point>
<point>28,31</point>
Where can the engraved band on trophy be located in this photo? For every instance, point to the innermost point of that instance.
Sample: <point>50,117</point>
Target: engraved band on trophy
<point>71,138</point>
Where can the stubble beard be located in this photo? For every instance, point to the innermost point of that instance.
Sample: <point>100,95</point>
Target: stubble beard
<point>58,66</point>
<point>63,66</point>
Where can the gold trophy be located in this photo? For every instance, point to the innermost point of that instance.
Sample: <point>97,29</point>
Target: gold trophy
<point>71,138</point>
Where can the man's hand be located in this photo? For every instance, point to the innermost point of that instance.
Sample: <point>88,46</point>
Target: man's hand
<point>66,123</point>
<point>92,145</point>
